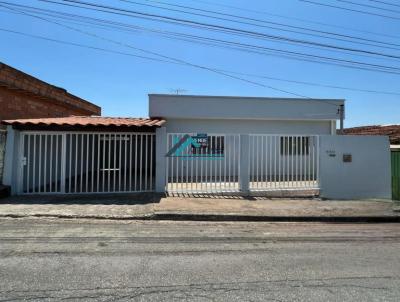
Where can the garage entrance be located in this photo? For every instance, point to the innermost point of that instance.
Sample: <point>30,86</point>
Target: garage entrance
<point>86,162</point>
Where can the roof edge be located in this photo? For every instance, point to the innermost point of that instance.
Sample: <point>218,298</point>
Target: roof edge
<point>84,121</point>
<point>242,97</point>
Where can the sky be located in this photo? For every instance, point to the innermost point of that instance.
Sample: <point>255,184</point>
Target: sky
<point>119,82</point>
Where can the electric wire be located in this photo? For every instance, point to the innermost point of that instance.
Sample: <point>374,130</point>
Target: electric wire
<point>381,67</point>
<point>269,36</point>
<point>369,6</point>
<point>281,24</point>
<point>384,2</point>
<point>164,56</point>
<point>307,21</point>
<point>64,15</point>
<point>350,9</point>
<point>327,60</point>
<point>80,45</point>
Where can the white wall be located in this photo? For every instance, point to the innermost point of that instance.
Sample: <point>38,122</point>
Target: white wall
<point>11,160</point>
<point>241,126</point>
<point>217,107</point>
<point>367,176</point>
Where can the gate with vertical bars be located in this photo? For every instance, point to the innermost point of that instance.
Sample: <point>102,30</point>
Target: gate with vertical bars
<point>283,162</point>
<point>86,162</point>
<point>273,162</point>
<point>211,166</point>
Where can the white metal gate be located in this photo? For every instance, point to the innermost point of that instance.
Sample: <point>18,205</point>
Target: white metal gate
<point>209,167</point>
<point>283,162</point>
<point>86,162</point>
<point>216,164</point>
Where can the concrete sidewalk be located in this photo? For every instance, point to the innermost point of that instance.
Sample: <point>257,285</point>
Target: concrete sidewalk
<point>149,206</point>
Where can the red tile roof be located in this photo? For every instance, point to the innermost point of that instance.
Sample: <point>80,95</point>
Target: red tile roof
<point>88,121</point>
<point>393,131</point>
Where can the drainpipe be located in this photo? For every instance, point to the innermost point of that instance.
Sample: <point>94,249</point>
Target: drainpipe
<point>341,114</point>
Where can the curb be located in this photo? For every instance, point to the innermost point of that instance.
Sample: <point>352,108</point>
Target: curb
<point>253,218</point>
<point>222,218</point>
<point>63,216</point>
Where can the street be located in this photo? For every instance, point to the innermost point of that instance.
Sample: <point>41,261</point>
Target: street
<point>105,260</point>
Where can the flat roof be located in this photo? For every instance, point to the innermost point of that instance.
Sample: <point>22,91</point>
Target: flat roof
<point>244,97</point>
<point>173,106</point>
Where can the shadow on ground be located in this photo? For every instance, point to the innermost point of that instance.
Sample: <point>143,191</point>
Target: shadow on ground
<point>93,199</point>
<point>295,194</point>
<point>130,198</point>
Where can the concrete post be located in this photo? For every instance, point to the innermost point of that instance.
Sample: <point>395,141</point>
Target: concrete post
<point>161,160</point>
<point>11,160</point>
<point>244,175</point>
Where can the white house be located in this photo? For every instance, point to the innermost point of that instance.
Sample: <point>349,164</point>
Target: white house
<point>200,144</point>
<point>241,115</point>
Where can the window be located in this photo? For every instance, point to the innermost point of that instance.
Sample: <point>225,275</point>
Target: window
<point>214,145</point>
<point>217,145</point>
<point>295,145</point>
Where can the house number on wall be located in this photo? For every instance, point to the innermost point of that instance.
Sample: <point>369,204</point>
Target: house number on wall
<point>331,153</point>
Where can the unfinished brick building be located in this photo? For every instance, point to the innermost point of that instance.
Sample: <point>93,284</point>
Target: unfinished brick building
<point>24,96</point>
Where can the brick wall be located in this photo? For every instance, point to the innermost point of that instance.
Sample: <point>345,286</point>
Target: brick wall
<point>25,96</point>
<point>16,104</point>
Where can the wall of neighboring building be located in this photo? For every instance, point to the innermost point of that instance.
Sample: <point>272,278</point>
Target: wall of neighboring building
<point>24,96</point>
<point>366,176</point>
<point>241,126</point>
<point>15,104</point>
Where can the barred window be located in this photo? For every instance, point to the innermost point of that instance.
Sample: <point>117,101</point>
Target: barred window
<point>295,145</point>
<point>215,145</point>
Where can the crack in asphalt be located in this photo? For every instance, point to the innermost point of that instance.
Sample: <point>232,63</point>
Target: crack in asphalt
<point>192,239</point>
<point>210,285</point>
<point>209,291</point>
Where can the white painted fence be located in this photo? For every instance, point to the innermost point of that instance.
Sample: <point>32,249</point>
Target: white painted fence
<point>213,167</point>
<point>261,163</point>
<point>86,162</point>
<point>100,162</point>
<point>3,136</point>
<point>282,162</point>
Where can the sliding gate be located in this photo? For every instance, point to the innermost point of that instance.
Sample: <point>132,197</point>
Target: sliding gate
<point>80,162</point>
<point>221,163</point>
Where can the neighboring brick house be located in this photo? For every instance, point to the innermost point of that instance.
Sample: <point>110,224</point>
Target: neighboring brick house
<point>24,96</point>
<point>393,131</point>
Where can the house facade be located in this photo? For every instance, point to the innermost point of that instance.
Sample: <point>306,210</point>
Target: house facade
<point>281,135</point>
<point>226,114</point>
<point>200,145</point>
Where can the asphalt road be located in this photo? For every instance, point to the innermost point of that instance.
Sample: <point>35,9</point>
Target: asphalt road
<point>54,260</point>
